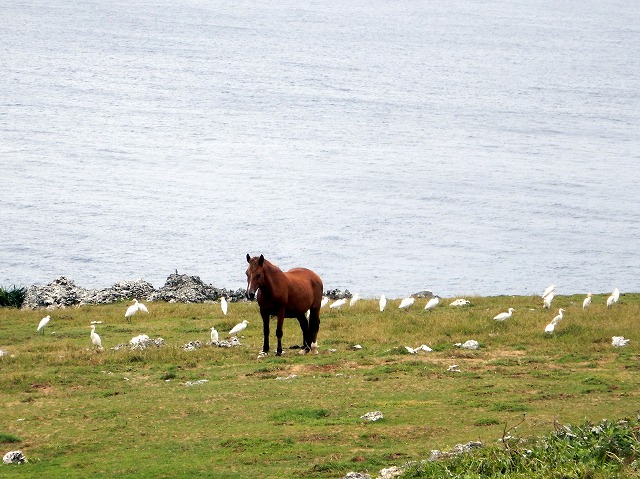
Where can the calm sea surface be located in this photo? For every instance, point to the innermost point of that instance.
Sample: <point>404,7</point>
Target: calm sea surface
<point>472,147</point>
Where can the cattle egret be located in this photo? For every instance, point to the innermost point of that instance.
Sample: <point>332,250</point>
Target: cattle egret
<point>43,322</point>
<point>422,347</point>
<point>460,302</point>
<point>550,289</point>
<point>610,300</point>
<point>223,305</point>
<point>383,302</point>
<point>338,304</point>
<point>432,303</point>
<point>504,316</point>
<point>619,341</point>
<point>551,326</point>
<point>238,327</point>
<point>134,308</point>
<point>354,299</point>
<point>95,338</point>
<point>616,295</point>
<point>324,301</point>
<point>214,335</point>
<point>406,302</point>
<point>587,301</point>
<point>547,300</point>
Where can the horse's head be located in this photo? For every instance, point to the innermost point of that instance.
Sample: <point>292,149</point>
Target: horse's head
<point>255,277</point>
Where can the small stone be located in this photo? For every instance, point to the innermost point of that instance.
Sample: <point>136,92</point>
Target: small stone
<point>14,457</point>
<point>372,416</point>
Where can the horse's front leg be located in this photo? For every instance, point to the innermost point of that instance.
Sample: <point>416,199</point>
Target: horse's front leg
<point>265,331</point>
<point>279,331</point>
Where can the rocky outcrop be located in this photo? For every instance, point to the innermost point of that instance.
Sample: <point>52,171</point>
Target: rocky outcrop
<point>182,288</point>
<point>178,288</point>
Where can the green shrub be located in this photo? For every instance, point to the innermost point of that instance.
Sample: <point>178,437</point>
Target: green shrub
<point>13,297</point>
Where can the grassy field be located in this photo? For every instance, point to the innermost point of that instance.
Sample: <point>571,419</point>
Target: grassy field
<point>77,412</point>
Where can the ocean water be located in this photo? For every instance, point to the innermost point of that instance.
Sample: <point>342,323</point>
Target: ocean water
<point>473,147</point>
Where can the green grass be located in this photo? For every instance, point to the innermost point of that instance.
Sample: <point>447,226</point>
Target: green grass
<point>77,412</point>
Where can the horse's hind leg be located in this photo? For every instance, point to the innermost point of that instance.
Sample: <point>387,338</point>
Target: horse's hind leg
<point>304,326</point>
<point>279,333</point>
<point>314,327</point>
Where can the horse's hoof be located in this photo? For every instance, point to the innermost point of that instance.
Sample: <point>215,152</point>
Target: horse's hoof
<point>314,348</point>
<point>279,353</point>
<point>262,355</point>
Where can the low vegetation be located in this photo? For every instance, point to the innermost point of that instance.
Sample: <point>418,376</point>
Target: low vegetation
<point>78,412</point>
<point>13,297</point>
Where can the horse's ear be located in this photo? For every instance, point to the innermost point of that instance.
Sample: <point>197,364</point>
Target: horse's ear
<point>248,258</point>
<point>261,260</point>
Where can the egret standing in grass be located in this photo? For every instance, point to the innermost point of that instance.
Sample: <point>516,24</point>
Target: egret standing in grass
<point>406,302</point>
<point>324,301</point>
<point>134,308</point>
<point>354,299</point>
<point>587,301</point>
<point>432,303</point>
<point>610,300</point>
<point>546,303</point>
<point>383,302</point>
<point>214,335</point>
<point>338,304</point>
<point>43,322</point>
<point>551,326</point>
<point>504,316</point>
<point>238,327</point>
<point>616,295</point>
<point>95,337</point>
<point>223,305</point>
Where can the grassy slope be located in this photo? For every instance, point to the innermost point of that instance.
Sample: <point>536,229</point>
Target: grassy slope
<point>82,417</point>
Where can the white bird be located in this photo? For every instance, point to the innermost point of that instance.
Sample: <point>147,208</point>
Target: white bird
<point>338,304</point>
<point>43,322</point>
<point>616,295</point>
<point>95,337</point>
<point>223,305</point>
<point>238,327</point>
<point>142,307</point>
<point>214,335</point>
<point>324,301</point>
<point>549,290</point>
<point>406,302</point>
<point>504,316</point>
<point>610,300</point>
<point>551,326</point>
<point>354,299</point>
<point>587,301</point>
<point>547,300</point>
<point>559,316</point>
<point>460,302</point>
<point>134,308</point>
<point>619,341</point>
<point>422,347</point>
<point>383,302</point>
<point>432,303</point>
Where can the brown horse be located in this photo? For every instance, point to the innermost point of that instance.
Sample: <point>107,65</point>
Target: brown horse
<point>286,295</point>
